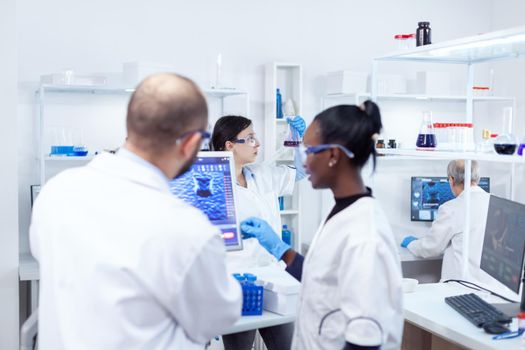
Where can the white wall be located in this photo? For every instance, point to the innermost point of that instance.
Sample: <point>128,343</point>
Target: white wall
<point>8,179</point>
<point>97,36</point>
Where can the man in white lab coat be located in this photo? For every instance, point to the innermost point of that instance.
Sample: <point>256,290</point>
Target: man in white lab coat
<point>446,234</point>
<point>125,264</point>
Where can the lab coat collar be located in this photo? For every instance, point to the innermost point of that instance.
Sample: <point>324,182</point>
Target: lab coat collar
<point>248,175</point>
<point>474,188</point>
<point>126,168</point>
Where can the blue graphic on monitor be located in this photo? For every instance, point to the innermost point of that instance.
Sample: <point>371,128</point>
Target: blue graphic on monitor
<point>208,186</point>
<point>428,193</point>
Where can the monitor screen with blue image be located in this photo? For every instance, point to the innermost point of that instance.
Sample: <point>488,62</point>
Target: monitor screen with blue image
<point>208,185</point>
<point>428,193</point>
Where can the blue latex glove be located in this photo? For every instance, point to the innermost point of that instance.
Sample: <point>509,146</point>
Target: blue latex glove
<point>298,124</point>
<point>260,229</point>
<point>407,240</point>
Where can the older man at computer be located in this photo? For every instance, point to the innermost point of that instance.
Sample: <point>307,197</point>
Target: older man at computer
<point>446,234</point>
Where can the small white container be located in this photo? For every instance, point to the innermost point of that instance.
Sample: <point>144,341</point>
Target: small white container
<point>346,82</point>
<point>281,295</point>
<point>70,78</point>
<point>408,284</point>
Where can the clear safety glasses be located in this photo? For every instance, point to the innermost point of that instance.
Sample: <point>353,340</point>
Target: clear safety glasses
<point>306,150</point>
<point>204,135</point>
<point>249,140</point>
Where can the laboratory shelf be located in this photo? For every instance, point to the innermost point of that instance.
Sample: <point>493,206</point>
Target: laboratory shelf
<point>422,97</point>
<point>222,93</point>
<point>497,45</point>
<point>401,154</point>
<point>85,89</point>
<point>217,93</point>
<point>68,159</point>
<point>289,212</point>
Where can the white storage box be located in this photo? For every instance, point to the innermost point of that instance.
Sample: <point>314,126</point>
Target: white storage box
<point>390,84</point>
<point>281,293</point>
<point>70,78</point>
<point>346,82</point>
<point>281,290</point>
<point>135,72</point>
<point>433,83</point>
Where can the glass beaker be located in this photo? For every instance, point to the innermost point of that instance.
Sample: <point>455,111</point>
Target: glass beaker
<point>426,139</point>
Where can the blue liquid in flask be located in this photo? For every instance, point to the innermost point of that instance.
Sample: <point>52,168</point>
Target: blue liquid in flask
<point>426,141</point>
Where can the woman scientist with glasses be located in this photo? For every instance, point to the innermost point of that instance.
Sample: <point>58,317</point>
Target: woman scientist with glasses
<point>258,187</point>
<point>351,295</point>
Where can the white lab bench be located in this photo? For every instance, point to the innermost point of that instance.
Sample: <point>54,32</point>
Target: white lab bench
<point>267,319</point>
<point>432,324</point>
<point>426,314</point>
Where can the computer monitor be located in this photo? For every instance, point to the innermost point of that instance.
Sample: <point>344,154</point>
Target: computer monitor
<point>504,242</point>
<point>209,186</point>
<point>428,193</point>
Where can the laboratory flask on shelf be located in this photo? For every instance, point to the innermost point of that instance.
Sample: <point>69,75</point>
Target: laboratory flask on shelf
<point>426,139</point>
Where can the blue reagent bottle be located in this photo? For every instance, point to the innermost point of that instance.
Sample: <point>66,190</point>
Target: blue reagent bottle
<point>279,105</point>
<point>287,235</point>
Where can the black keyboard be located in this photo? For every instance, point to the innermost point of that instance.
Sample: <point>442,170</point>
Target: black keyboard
<point>476,310</point>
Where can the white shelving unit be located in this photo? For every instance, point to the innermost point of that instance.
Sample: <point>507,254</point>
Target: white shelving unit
<point>493,46</point>
<point>46,89</point>
<point>288,78</point>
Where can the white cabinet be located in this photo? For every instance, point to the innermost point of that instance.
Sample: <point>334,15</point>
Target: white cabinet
<point>287,77</point>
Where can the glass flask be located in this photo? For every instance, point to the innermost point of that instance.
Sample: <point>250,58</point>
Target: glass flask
<point>293,139</point>
<point>506,144</point>
<point>426,139</point>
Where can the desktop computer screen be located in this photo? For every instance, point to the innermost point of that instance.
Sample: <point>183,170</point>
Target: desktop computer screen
<point>428,193</point>
<point>504,242</point>
<point>209,186</point>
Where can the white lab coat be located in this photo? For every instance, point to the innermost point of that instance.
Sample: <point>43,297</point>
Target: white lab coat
<point>124,264</point>
<point>446,236</point>
<point>351,283</point>
<point>265,183</point>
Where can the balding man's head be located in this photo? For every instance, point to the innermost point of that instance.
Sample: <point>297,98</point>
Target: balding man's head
<point>162,108</point>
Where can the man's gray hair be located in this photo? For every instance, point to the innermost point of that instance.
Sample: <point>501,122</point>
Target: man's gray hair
<point>456,169</point>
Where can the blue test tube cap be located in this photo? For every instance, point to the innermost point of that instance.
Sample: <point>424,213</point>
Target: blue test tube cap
<point>250,277</point>
<point>239,277</point>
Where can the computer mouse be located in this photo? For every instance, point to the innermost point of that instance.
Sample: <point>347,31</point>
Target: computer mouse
<point>494,328</point>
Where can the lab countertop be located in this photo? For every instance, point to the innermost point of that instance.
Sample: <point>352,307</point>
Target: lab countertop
<point>267,319</point>
<point>426,308</point>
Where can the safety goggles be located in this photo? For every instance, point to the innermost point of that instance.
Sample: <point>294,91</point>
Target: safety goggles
<point>204,135</point>
<point>249,140</point>
<point>306,150</point>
